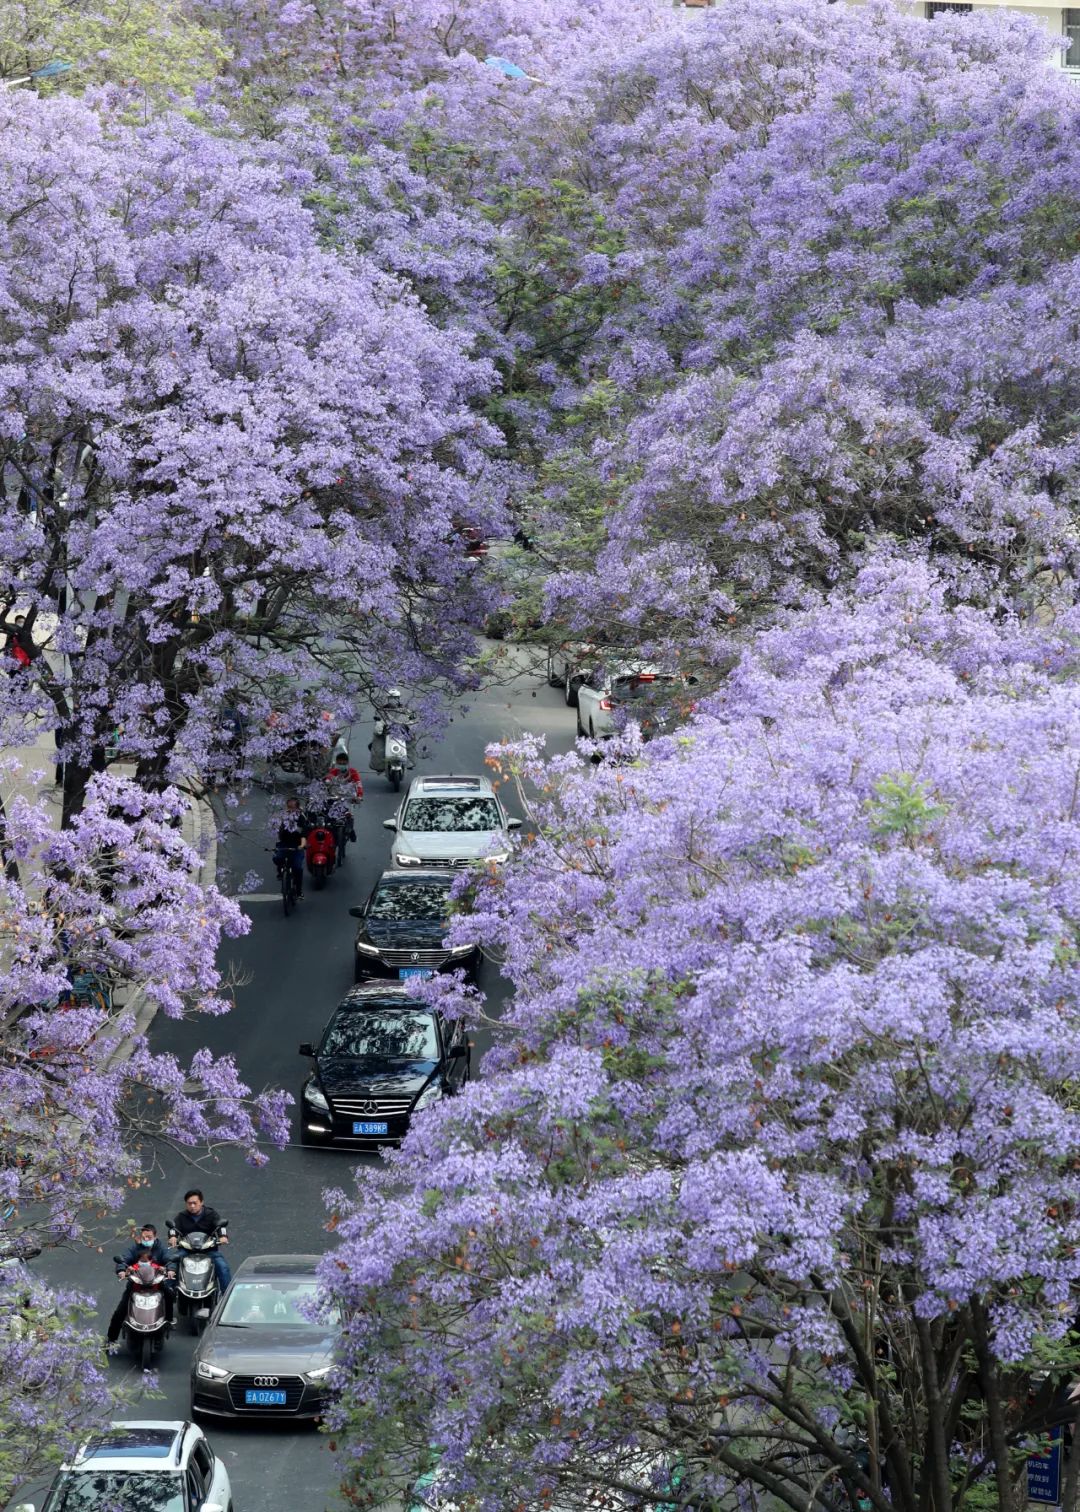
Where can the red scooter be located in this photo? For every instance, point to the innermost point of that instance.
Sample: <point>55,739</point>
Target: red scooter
<point>321,852</point>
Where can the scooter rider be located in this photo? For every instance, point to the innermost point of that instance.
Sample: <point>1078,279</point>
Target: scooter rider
<point>197,1217</point>
<point>146,1247</point>
<point>391,716</point>
<point>346,787</point>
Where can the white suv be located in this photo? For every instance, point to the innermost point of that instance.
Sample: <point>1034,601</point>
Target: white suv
<point>632,687</point>
<point>450,821</point>
<point>168,1466</point>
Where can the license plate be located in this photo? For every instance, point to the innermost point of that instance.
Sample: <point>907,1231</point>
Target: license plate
<point>405,972</point>
<point>264,1399</point>
<point>370,1128</point>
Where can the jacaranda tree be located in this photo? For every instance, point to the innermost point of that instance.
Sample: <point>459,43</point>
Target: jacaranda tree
<point>235,464</point>
<point>233,461</point>
<point>770,1187</point>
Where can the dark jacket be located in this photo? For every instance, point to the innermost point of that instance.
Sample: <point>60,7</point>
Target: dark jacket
<point>157,1253</point>
<point>206,1222</point>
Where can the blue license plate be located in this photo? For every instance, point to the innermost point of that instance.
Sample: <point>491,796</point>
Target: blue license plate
<point>405,972</point>
<point>264,1399</point>
<point>369,1128</point>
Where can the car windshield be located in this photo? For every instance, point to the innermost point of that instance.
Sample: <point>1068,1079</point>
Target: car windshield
<point>277,1303</point>
<point>452,815</point>
<point>426,902</point>
<point>632,686</point>
<point>118,1491</point>
<point>382,1036</point>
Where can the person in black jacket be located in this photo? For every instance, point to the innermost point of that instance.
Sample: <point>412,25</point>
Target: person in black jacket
<point>194,1217</point>
<point>291,840</point>
<point>146,1247</point>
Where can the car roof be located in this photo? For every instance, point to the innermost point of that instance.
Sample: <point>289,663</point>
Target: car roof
<point>277,1265</point>
<point>146,1444</point>
<point>400,992</point>
<point>450,786</point>
<point>416,874</point>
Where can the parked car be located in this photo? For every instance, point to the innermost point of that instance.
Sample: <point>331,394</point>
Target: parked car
<point>132,1467</point>
<point>403,925</point>
<point>575,663</point>
<point>450,821</point>
<point>261,1354</point>
<point>637,689</point>
<point>382,1058</point>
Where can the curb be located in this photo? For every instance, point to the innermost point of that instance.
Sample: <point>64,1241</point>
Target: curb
<point>204,840</point>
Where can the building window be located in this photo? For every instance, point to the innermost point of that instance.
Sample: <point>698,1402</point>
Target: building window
<point>945,8</point>
<point>1070,20</point>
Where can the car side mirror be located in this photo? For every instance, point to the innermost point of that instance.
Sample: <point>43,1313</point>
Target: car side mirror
<point>390,824</point>
<point>357,913</point>
<point>306,1049</point>
<point>457,1051</point>
<point>513,824</point>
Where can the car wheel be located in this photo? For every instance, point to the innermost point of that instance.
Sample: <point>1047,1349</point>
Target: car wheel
<point>570,689</point>
<point>592,736</point>
<point>580,726</point>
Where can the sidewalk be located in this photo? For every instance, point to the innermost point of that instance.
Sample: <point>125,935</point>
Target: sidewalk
<point>36,783</point>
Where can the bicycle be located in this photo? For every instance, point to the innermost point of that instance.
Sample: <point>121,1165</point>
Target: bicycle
<point>288,883</point>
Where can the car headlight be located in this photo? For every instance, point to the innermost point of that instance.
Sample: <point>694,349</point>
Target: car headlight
<point>211,1372</point>
<point>315,1376</point>
<point>314,1096</point>
<point>461,949</point>
<point>365,949</point>
<point>407,860</point>
<point>428,1096</point>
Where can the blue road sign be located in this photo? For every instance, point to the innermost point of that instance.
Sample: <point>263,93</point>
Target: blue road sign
<point>1044,1473</point>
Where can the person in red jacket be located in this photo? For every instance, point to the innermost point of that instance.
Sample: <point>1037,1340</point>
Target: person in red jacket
<point>346,788</point>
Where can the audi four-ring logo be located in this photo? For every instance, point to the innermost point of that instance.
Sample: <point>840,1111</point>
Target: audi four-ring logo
<point>266,1380</point>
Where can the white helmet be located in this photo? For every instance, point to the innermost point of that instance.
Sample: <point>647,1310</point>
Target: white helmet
<point>341,754</point>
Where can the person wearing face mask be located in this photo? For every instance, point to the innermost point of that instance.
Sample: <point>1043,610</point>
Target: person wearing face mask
<point>147,1246</point>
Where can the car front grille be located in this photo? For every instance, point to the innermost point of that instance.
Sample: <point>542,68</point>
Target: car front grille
<point>371,1107</point>
<point>447,860</point>
<point>291,1385</point>
<point>413,957</point>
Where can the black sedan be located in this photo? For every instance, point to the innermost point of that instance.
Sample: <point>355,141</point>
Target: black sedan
<point>261,1354</point>
<point>402,928</point>
<point>382,1057</point>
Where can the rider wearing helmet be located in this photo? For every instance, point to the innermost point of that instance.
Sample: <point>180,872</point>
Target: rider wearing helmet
<point>346,787</point>
<point>390,715</point>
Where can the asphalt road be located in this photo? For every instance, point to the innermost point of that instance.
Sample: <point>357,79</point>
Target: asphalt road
<point>292,973</point>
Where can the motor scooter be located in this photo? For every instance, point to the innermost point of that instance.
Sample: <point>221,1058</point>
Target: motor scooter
<point>144,1322</point>
<point>196,1278</point>
<point>321,852</point>
<point>396,760</point>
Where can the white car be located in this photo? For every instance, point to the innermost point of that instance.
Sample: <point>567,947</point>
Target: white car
<point>450,821</point>
<point>130,1467</point>
<point>630,686</point>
